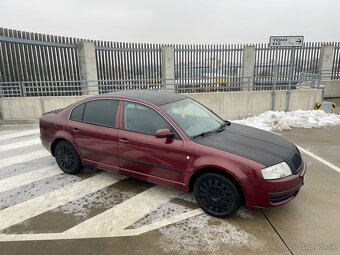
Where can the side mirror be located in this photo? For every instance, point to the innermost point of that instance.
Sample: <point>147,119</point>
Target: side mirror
<point>163,133</point>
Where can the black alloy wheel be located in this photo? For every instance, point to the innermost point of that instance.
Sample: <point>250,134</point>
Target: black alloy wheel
<point>217,195</point>
<point>67,158</point>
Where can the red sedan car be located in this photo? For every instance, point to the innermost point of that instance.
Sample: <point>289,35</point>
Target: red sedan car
<point>170,139</point>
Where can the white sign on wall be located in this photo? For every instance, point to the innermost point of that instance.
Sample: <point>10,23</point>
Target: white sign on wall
<point>286,41</point>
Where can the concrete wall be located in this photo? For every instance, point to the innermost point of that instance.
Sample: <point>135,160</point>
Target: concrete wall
<point>229,105</point>
<point>332,88</point>
<point>242,104</point>
<point>27,110</point>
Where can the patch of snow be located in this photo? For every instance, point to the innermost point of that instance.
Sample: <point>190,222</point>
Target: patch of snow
<point>165,211</point>
<point>189,197</point>
<point>245,213</point>
<point>271,121</point>
<point>105,198</point>
<point>203,234</point>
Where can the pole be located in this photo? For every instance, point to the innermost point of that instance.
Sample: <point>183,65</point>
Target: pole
<point>275,79</point>
<point>291,61</point>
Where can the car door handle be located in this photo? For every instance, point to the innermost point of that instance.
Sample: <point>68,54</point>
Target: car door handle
<point>123,140</point>
<point>75,130</point>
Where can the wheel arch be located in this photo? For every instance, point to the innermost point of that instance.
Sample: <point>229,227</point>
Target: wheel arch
<point>59,139</point>
<point>216,170</point>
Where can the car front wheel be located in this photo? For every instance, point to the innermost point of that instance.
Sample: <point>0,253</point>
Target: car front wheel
<point>217,195</point>
<point>67,158</point>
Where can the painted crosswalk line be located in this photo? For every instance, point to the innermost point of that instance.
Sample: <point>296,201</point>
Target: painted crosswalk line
<point>19,145</point>
<point>19,134</point>
<point>110,223</point>
<point>23,211</point>
<point>113,221</point>
<point>26,178</point>
<point>123,215</point>
<point>23,158</point>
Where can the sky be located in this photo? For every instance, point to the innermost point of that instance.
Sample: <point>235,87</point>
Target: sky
<point>175,21</point>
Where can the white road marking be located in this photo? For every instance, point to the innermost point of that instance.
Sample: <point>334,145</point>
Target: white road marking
<point>26,178</point>
<point>23,158</point>
<point>122,215</point>
<point>18,145</point>
<point>28,209</point>
<point>334,167</point>
<point>127,232</point>
<point>159,224</point>
<point>20,133</point>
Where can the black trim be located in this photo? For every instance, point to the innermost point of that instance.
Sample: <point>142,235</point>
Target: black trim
<point>131,160</point>
<point>276,197</point>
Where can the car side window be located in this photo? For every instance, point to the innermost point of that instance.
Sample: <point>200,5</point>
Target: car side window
<point>142,119</point>
<point>77,113</point>
<point>101,112</point>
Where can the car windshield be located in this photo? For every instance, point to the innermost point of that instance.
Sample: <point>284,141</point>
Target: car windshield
<point>193,118</point>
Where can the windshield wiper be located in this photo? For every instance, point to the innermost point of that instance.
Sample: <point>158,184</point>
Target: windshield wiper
<point>217,130</point>
<point>226,123</point>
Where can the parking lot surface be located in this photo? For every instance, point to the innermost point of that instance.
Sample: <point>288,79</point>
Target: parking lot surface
<point>44,211</point>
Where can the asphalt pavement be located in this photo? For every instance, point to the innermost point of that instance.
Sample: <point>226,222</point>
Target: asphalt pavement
<point>44,211</point>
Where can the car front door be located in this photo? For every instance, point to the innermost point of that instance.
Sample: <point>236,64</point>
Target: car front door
<point>141,153</point>
<point>93,126</point>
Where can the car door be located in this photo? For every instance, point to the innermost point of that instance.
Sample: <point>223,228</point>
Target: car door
<point>93,126</point>
<point>144,155</point>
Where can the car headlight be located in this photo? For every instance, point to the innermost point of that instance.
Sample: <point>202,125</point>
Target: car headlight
<point>277,171</point>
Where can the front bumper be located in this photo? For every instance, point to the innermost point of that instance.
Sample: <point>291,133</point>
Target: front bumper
<point>269,193</point>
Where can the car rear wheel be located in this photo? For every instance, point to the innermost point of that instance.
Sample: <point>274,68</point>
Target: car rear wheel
<point>217,195</point>
<point>67,158</point>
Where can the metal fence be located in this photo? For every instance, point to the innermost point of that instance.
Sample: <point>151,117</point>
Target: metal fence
<point>80,87</point>
<point>48,65</point>
<point>336,61</point>
<point>276,64</point>
<point>131,62</point>
<point>199,65</point>
<point>72,88</point>
<point>36,57</point>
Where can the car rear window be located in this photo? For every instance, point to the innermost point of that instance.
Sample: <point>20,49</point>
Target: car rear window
<point>99,112</point>
<point>77,113</point>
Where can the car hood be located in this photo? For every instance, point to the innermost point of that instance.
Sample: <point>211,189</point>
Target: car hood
<point>258,145</point>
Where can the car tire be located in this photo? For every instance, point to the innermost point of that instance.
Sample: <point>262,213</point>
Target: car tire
<point>217,195</point>
<point>67,158</point>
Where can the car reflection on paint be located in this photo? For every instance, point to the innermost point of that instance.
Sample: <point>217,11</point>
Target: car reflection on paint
<point>170,139</point>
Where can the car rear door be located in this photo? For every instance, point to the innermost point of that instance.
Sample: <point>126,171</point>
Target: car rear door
<point>93,126</point>
<point>141,153</point>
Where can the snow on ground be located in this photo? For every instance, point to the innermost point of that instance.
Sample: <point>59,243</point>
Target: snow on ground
<point>204,234</point>
<point>272,121</point>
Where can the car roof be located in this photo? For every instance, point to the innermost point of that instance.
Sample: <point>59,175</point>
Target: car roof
<point>152,96</point>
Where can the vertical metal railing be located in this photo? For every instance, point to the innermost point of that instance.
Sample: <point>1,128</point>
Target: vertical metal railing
<point>198,65</point>
<point>130,62</point>
<point>336,62</point>
<point>35,57</point>
<point>305,59</point>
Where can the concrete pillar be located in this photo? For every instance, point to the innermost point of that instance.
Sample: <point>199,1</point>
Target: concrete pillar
<point>326,60</point>
<point>168,68</point>
<point>88,67</point>
<point>248,67</point>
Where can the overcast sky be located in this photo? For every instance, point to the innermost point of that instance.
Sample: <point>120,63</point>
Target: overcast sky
<point>176,21</point>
